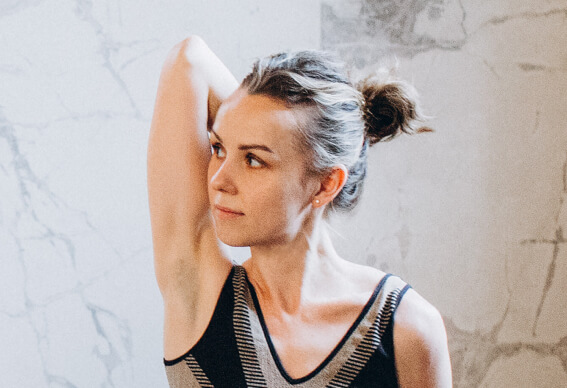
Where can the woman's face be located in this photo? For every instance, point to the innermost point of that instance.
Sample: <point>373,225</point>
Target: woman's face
<point>259,188</point>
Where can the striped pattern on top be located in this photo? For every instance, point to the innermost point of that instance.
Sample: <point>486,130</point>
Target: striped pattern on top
<point>364,358</point>
<point>371,341</point>
<point>244,339</point>
<point>200,376</point>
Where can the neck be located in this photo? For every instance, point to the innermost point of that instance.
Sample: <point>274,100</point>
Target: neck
<point>291,274</point>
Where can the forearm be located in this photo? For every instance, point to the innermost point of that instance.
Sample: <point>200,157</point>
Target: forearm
<point>193,55</point>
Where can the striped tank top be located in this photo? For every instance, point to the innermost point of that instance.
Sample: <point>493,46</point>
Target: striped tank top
<point>236,349</point>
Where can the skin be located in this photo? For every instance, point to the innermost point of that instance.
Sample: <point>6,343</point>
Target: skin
<point>257,173</point>
<point>254,191</point>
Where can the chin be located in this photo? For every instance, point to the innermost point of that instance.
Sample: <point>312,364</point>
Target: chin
<point>234,243</point>
<point>232,238</point>
<point>236,238</point>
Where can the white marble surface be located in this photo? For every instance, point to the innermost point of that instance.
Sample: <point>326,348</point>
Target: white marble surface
<point>79,306</point>
<point>472,215</point>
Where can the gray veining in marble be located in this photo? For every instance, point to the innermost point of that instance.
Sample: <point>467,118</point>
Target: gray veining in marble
<point>79,306</point>
<point>472,215</point>
<point>493,76</point>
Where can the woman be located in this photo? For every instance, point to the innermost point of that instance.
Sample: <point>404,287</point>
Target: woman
<point>288,146</point>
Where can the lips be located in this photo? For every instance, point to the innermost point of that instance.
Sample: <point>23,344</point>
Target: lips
<point>225,212</point>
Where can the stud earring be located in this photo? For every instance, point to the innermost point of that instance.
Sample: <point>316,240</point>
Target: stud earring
<point>317,202</point>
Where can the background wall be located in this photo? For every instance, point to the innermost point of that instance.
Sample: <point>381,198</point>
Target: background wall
<point>470,215</point>
<point>473,215</point>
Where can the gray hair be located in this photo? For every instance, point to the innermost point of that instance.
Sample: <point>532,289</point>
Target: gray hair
<point>345,119</point>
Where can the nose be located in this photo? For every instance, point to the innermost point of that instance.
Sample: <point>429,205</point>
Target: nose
<point>223,178</point>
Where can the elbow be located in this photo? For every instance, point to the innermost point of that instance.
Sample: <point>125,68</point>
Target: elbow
<point>190,46</point>
<point>186,53</point>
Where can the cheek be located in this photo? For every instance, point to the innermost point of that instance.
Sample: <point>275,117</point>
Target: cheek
<point>299,188</point>
<point>264,195</point>
<point>282,198</point>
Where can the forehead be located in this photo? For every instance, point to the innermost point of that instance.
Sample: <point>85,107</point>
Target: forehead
<point>258,119</point>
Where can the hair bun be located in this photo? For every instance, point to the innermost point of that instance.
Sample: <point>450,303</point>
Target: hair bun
<point>390,107</point>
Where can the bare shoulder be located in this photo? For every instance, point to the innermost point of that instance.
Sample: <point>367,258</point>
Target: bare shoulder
<point>364,278</point>
<point>420,344</point>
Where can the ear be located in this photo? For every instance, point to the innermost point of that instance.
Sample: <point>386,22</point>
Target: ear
<point>331,185</point>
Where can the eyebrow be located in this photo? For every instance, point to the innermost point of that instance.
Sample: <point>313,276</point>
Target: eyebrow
<point>245,147</point>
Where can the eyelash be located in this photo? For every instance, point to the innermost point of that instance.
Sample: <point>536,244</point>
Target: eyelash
<point>216,147</point>
<point>250,157</point>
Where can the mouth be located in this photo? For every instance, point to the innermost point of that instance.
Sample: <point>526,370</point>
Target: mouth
<point>225,212</point>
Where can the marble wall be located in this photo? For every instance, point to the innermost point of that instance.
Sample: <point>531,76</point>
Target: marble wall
<point>472,214</point>
<point>79,306</point>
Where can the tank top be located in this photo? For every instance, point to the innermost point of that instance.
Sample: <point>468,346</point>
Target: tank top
<point>236,349</point>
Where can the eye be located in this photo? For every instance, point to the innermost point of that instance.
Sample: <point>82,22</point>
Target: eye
<point>216,149</point>
<point>254,161</point>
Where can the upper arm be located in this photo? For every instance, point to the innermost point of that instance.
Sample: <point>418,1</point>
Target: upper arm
<point>192,84</point>
<point>420,344</point>
<point>177,151</point>
<point>189,264</point>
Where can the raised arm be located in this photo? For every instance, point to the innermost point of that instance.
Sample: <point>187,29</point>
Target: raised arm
<point>189,265</point>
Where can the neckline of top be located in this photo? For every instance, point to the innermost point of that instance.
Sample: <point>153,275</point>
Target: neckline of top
<point>335,350</point>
